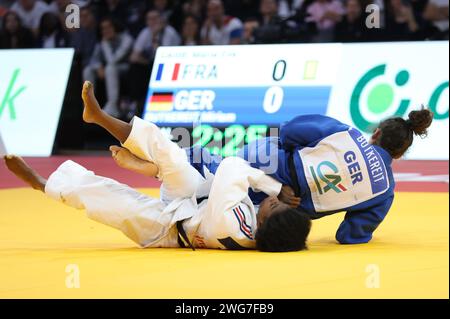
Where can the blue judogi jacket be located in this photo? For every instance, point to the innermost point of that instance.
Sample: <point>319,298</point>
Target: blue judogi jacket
<point>337,170</point>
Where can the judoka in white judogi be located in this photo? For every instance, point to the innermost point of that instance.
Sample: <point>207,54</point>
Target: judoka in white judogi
<point>226,220</point>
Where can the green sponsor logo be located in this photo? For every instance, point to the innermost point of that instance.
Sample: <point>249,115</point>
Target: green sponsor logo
<point>10,95</point>
<point>332,181</point>
<point>381,98</point>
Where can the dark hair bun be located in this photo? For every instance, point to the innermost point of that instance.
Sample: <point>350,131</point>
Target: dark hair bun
<point>420,121</point>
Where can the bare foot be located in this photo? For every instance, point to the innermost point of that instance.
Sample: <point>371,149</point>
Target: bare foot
<point>125,159</point>
<point>91,107</point>
<point>18,166</point>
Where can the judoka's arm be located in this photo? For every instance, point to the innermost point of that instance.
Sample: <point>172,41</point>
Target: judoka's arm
<point>231,183</point>
<point>358,226</point>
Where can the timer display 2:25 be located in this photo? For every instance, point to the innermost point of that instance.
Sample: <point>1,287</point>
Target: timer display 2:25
<point>228,141</point>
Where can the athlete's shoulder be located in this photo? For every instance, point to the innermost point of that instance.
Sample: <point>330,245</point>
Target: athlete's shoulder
<point>238,230</point>
<point>312,127</point>
<point>244,225</point>
<point>317,119</point>
<point>387,158</point>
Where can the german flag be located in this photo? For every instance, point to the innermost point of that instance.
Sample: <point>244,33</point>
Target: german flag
<point>161,102</point>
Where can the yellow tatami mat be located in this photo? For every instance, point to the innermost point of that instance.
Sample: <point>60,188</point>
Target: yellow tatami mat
<point>47,249</point>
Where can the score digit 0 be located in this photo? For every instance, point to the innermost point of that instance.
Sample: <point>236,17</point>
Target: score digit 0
<point>279,70</point>
<point>273,100</point>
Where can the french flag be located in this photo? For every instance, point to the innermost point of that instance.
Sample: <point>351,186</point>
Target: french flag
<point>175,73</point>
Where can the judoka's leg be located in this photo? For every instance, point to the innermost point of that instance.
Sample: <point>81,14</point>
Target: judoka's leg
<point>125,159</point>
<point>179,179</point>
<point>146,141</point>
<point>95,115</point>
<point>199,158</point>
<point>139,217</point>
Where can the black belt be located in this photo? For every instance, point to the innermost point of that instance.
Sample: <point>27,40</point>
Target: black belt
<point>293,174</point>
<point>200,200</point>
<point>182,237</point>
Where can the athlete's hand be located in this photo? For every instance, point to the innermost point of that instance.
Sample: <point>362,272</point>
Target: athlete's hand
<point>287,196</point>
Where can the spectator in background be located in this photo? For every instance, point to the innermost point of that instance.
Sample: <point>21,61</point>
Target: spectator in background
<point>301,13</point>
<point>4,8</point>
<point>115,9</point>
<point>243,9</point>
<point>51,33</point>
<point>55,5</point>
<point>164,9</point>
<point>271,25</point>
<point>218,28</point>
<point>248,35</point>
<point>136,10</point>
<point>289,8</point>
<point>182,9</point>
<point>195,8</point>
<point>269,13</point>
<point>6,4</point>
<point>401,24</point>
<point>190,33</point>
<point>30,12</point>
<point>59,6</point>
<point>419,7</point>
<point>84,39</point>
<point>352,28</point>
<point>307,29</point>
<point>156,34</point>
<point>13,35</point>
<point>436,12</point>
<point>110,61</point>
<point>325,14</point>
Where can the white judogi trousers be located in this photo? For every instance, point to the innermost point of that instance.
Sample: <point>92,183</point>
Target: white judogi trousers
<point>147,221</point>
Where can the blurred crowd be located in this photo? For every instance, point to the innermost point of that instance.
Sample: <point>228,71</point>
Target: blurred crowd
<point>117,39</point>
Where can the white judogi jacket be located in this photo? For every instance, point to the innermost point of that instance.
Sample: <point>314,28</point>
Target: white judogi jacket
<point>227,220</point>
